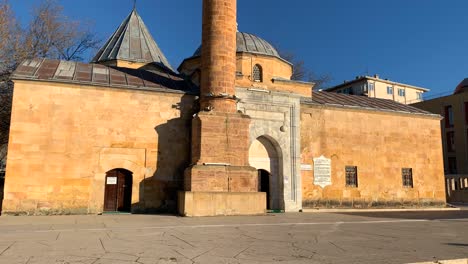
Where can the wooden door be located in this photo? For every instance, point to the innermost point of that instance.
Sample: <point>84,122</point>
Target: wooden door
<point>118,191</point>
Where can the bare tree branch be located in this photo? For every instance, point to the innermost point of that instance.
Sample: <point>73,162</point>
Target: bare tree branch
<point>49,34</point>
<point>301,73</point>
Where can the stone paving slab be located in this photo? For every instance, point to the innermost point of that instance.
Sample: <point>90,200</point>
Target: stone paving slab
<point>285,238</point>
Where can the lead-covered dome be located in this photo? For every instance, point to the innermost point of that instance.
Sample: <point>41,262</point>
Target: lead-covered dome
<point>251,44</point>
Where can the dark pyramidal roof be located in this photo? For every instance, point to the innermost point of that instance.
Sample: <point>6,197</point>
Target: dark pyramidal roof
<point>250,43</point>
<point>132,42</point>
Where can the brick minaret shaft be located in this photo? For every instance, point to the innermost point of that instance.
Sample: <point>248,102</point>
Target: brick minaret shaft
<point>218,60</point>
<point>220,135</point>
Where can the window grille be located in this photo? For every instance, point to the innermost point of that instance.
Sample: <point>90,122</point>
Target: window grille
<point>257,73</point>
<point>407,175</point>
<point>351,176</point>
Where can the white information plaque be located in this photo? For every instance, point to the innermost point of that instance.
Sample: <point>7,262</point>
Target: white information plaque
<point>322,172</point>
<point>111,180</point>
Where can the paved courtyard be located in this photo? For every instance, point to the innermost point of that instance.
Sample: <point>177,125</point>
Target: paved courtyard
<point>283,238</point>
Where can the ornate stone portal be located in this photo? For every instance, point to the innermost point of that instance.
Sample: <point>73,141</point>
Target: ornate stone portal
<point>276,117</point>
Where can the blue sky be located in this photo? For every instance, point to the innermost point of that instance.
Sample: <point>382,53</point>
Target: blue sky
<point>419,42</point>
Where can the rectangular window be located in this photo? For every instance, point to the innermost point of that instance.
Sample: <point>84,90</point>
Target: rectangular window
<point>371,87</point>
<point>420,96</point>
<point>351,176</point>
<point>401,92</point>
<point>452,165</point>
<point>389,90</point>
<point>451,141</point>
<point>448,116</point>
<point>348,90</point>
<point>466,113</point>
<point>407,175</point>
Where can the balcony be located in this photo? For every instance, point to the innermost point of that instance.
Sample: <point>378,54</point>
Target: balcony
<point>457,188</point>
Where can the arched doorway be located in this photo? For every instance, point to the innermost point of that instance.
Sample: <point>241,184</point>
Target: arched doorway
<point>266,158</point>
<point>118,191</point>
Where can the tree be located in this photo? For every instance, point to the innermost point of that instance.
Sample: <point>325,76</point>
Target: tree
<point>6,95</point>
<point>10,38</point>
<point>301,73</point>
<point>49,34</point>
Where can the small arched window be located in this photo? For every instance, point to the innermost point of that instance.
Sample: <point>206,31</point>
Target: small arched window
<point>257,73</point>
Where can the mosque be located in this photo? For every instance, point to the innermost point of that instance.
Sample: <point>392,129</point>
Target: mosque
<point>226,133</point>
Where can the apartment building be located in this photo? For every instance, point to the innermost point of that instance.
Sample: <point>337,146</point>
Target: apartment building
<point>381,88</point>
<point>454,126</point>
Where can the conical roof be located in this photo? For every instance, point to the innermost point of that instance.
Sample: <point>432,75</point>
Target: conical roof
<point>132,42</point>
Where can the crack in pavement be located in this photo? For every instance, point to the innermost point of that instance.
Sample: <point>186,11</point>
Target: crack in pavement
<point>189,259</point>
<point>293,244</point>
<point>5,250</point>
<point>237,255</point>
<point>340,248</point>
<point>193,259</point>
<point>102,245</point>
<point>178,238</point>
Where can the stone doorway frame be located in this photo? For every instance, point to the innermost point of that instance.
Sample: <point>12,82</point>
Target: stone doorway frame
<point>276,116</point>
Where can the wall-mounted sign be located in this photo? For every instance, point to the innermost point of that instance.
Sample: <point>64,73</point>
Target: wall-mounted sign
<point>322,172</point>
<point>111,181</point>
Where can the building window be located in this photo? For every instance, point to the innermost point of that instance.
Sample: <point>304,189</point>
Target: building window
<point>348,90</point>
<point>420,95</point>
<point>402,92</point>
<point>407,175</point>
<point>466,113</point>
<point>451,141</point>
<point>452,165</point>
<point>351,176</point>
<point>449,116</point>
<point>389,90</point>
<point>371,87</point>
<point>257,73</point>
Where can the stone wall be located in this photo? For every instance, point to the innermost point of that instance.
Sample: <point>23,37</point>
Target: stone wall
<point>64,138</point>
<point>276,73</point>
<point>380,144</point>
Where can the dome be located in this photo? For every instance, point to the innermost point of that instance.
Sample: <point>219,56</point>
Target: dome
<point>251,44</point>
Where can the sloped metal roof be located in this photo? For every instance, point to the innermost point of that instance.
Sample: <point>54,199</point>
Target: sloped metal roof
<point>132,42</point>
<point>250,43</point>
<point>362,102</point>
<point>100,75</point>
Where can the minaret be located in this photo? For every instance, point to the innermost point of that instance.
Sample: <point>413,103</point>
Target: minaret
<point>218,60</point>
<point>220,180</point>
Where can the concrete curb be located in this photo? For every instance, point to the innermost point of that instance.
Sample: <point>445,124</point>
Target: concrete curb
<point>458,261</point>
<point>378,210</point>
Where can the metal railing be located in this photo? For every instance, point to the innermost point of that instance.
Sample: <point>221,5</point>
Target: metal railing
<point>457,188</point>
